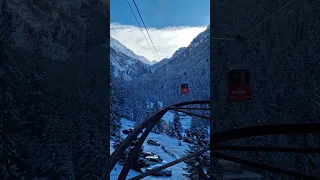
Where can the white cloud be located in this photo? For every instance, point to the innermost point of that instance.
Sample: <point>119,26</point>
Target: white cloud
<point>166,40</point>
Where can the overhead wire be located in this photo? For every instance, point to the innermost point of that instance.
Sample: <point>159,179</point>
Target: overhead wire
<point>184,72</point>
<point>269,17</point>
<point>141,29</point>
<point>146,29</point>
<point>235,38</point>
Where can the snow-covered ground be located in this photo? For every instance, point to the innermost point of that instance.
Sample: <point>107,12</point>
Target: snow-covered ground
<point>176,152</point>
<point>185,120</point>
<point>171,145</point>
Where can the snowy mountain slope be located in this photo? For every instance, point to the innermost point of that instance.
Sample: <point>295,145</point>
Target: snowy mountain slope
<point>53,73</point>
<point>126,67</point>
<point>164,83</point>
<point>154,62</point>
<point>164,61</point>
<point>155,66</point>
<point>115,44</point>
<point>178,52</point>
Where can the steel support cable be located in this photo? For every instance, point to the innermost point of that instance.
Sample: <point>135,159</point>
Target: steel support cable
<point>153,120</point>
<point>141,28</point>
<point>267,167</point>
<point>264,149</point>
<point>202,60</point>
<point>268,17</point>
<point>231,39</point>
<point>261,130</point>
<point>146,29</point>
<point>170,164</point>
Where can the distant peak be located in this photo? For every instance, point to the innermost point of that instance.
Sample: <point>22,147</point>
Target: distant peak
<point>120,47</point>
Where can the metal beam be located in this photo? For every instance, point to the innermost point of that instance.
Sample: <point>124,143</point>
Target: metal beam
<point>153,121</point>
<point>148,124</point>
<point>115,156</point>
<point>192,114</point>
<point>190,103</point>
<point>261,130</point>
<point>264,149</point>
<point>218,137</point>
<point>267,167</point>
<point>204,109</point>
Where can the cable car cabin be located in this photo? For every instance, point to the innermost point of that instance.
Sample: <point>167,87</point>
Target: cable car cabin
<point>184,89</point>
<point>238,85</point>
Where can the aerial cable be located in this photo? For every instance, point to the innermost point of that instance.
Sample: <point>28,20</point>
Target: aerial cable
<point>185,85</point>
<point>269,17</point>
<point>146,30</point>
<point>141,29</point>
<point>185,72</point>
<point>241,37</point>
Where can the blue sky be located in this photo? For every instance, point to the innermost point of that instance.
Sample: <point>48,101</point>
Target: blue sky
<point>171,24</point>
<point>162,13</point>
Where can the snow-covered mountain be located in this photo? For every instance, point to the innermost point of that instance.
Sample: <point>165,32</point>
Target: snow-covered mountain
<point>155,66</point>
<point>119,47</point>
<point>164,61</point>
<point>154,62</point>
<point>167,75</point>
<point>53,73</point>
<point>178,52</point>
<point>125,66</point>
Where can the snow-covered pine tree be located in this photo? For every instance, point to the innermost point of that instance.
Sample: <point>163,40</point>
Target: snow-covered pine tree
<point>116,103</point>
<point>198,128</point>
<point>158,128</point>
<point>198,167</point>
<point>170,131</point>
<point>177,127</point>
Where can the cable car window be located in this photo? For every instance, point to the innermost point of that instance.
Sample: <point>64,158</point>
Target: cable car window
<point>239,76</point>
<point>184,85</point>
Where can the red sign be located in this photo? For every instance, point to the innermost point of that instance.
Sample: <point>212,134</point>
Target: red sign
<point>239,92</point>
<point>184,91</point>
<point>238,85</point>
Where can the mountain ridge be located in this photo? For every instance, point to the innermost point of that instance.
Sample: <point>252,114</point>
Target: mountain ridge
<point>115,44</point>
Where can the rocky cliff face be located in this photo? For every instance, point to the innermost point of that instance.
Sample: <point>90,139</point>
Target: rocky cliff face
<point>282,55</point>
<point>54,73</point>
